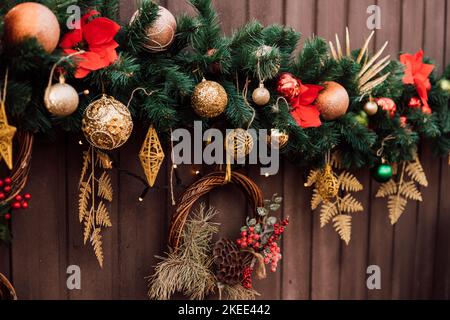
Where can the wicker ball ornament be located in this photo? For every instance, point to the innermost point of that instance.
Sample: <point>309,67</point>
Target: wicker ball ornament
<point>278,138</point>
<point>32,20</point>
<point>161,33</point>
<point>333,101</point>
<point>61,99</point>
<point>239,143</point>
<point>107,123</point>
<point>209,99</point>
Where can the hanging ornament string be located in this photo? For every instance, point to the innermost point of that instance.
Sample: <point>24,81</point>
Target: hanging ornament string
<point>5,86</point>
<point>52,72</point>
<point>172,194</point>
<point>380,151</point>
<point>276,106</point>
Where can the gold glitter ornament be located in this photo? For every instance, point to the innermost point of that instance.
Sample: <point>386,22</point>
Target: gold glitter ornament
<point>327,183</point>
<point>61,99</point>
<point>209,99</point>
<point>151,156</point>
<point>279,137</point>
<point>107,123</point>
<point>239,143</point>
<point>261,96</point>
<point>371,108</point>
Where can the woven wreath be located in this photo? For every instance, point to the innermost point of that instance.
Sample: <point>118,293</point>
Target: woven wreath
<point>7,291</point>
<point>196,267</point>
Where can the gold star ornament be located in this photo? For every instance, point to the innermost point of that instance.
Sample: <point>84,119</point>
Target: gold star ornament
<point>7,133</point>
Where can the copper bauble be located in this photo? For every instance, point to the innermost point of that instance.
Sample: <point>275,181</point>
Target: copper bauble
<point>161,33</point>
<point>107,123</point>
<point>333,101</point>
<point>209,99</point>
<point>261,96</point>
<point>371,108</point>
<point>61,99</point>
<point>239,143</point>
<point>278,138</point>
<point>32,20</point>
<point>214,67</point>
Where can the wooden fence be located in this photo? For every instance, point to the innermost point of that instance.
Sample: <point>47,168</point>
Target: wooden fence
<point>414,256</point>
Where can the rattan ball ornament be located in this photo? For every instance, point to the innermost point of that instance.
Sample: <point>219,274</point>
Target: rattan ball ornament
<point>61,99</point>
<point>333,101</point>
<point>161,34</point>
<point>278,138</point>
<point>107,123</point>
<point>261,96</point>
<point>239,143</point>
<point>209,99</point>
<point>32,20</point>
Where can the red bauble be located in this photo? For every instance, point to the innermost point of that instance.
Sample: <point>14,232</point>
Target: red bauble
<point>388,105</point>
<point>32,20</point>
<point>7,216</point>
<point>288,86</point>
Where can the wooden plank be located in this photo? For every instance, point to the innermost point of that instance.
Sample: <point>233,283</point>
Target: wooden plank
<point>38,248</point>
<point>5,261</point>
<point>266,11</point>
<point>296,263</point>
<point>300,15</point>
<point>127,9</point>
<point>231,16</point>
<point>179,6</point>
<point>331,18</point>
<point>391,29</point>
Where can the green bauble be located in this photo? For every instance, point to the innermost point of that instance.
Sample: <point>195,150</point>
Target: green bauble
<point>362,118</point>
<point>382,173</point>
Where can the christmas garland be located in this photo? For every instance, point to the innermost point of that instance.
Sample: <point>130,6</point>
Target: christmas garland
<point>327,102</point>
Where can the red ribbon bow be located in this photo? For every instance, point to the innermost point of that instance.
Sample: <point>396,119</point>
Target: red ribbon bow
<point>96,38</point>
<point>301,98</point>
<point>417,73</point>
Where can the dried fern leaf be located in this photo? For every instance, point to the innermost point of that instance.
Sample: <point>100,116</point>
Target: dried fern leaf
<point>373,59</point>
<point>409,191</point>
<point>416,172</point>
<point>87,228</point>
<point>350,205</point>
<point>396,206</point>
<point>349,183</point>
<point>105,189</point>
<point>343,226</point>
<point>102,216</point>
<point>85,166</point>
<point>103,160</point>
<point>374,70</point>
<point>96,240</point>
<point>312,178</point>
<point>238,292</point>
<point>327,212</point>
<point>83,202</point>
<point>364,48</point>
<point>367,88</point>
<point>387,189</point>
<point>336,160</point>
<point>316,199</point>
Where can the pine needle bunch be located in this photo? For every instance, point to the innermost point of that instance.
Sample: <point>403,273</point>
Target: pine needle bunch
<point>405,188</point>
<point>336,209</point>
<point>92,187</point>
<point>188,269</point>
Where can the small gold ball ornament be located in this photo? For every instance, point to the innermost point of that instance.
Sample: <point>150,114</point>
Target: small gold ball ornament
<point>209,99</point>
<point>61,99</point>
<point>371,108</point>
<point>278,138</point>
<point>261,96</point>
<point>107,123</point>
<point>239,143</point>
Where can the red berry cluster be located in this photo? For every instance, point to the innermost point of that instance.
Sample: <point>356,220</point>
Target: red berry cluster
<point>249,239</point>
<point>19,202</point>
<point>5,188</point>
<point>272,252</point>
<point>247,278</point>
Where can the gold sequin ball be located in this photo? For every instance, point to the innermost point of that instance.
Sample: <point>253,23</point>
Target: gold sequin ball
<point>209,99</point>
<point>107,123</point>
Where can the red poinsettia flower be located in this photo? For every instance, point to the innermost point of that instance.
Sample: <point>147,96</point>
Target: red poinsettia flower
<point>417,73</point>
<point>301,97</point>
<point>96,38</point>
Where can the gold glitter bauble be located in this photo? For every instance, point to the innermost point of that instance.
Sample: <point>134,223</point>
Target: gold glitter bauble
<point>209,99</point>
<point>239,143</point>
<point>327,183</point>
<point>107,123</point>
<point>261,96</point>
<point>333,101</point>
<point>278,137</point>
<point>371,108</point>
<point>161,33</point>
<point>61,99</point>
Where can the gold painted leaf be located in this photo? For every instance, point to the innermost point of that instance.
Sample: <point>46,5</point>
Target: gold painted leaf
<point>83,202</point>
<point>349,183</point>
<point>416,172</point>
<point>327,212</point>
<point>105,189</point>
<point>343,226</point>
<point>103,160</point>
<point>316,199</point>
<point>87,228</point>
<point>350,205</point>
<point>336,160</point>
<point>410,191</point>
<point>86,162</point>
<point>396,206</point>
<point>387,189</point>
<point>312,178</point>
<point>96,241</point>
<point>102,216</point>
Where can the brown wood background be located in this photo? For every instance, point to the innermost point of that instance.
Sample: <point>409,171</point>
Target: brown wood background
<point>414,256</point>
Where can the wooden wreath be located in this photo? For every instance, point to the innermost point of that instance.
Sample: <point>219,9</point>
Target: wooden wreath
<point>7,291</point>
<point>21,169</point>
<point>201,188</point>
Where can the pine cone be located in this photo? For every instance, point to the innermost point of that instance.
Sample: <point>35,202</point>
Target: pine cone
<point>228,261</point>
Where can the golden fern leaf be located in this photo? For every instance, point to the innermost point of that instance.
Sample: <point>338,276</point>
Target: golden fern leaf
<point>387,189</point>
<point>350,205</point>
<point>86,162</point>
<point>312,178</point>
<point>83,202</point>
<point>316,199</point>
<point>327,212</point>
<point>416,172</point>
<point>343,226</point>
<point>348,182</point>
<point>105,189</point>
<point>336,160</point>
<point>104,160</point>
<point>102,216</point>
<point>409,191</point>
<point>396,206</point>
<point>87,228</point>
<point>96,241</point>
